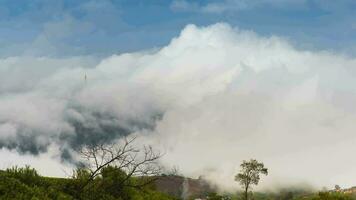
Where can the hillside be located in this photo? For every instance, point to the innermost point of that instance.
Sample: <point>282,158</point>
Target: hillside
<point>25,183</point>
<point>182,187</point>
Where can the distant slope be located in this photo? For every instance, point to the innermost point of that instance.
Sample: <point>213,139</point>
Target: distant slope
<point>181,187</point>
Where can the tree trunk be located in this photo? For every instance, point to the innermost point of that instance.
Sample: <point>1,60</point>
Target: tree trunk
<point>246,193</point>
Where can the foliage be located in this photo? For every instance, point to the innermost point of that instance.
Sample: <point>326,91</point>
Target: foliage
<point>250,174</point>
<point>128,159</point>
<point>27,175</point>
<point>291,194</point>
<point>332,196</point>
<point>26,183</point>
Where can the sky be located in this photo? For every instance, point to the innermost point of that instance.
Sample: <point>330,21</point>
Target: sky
<point>67,28</point>
<point>231,80</point>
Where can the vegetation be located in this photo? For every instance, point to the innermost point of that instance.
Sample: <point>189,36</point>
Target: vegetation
<point>126,173</point>
<point>25,183</point>
<point>109,171</point>
<point>332,196</point>
<point>250,175</point>
<point>124,159</point>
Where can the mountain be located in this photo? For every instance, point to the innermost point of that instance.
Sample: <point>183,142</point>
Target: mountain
<point>182,187</point>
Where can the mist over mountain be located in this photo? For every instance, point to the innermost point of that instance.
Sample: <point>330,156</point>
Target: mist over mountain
<point>217,93</point>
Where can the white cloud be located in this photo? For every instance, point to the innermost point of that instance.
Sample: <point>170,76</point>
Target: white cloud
<point>223,95</point>
<point>23,73</point>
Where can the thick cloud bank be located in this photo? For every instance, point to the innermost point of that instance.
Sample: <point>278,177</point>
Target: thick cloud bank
<point>211,98</point>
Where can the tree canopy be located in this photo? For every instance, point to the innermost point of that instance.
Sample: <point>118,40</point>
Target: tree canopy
<point>250,174</point>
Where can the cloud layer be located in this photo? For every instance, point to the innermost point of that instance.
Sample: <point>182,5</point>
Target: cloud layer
<point>214,96</point>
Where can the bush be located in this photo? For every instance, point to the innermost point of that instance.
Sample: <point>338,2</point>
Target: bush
<point>26,175</point>
<point>26,184</point>
<point>332,196</point>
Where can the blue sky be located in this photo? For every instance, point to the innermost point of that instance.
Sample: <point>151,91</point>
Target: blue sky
<point>81,27</point>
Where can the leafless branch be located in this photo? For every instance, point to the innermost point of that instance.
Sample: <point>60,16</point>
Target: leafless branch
<point>135,162</point>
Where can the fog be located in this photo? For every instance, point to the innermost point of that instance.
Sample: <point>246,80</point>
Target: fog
<point>211,98</point>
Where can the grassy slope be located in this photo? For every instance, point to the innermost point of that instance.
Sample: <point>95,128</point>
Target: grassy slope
<point>26,185</point>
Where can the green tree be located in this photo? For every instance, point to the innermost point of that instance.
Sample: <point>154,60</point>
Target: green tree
<point>250,174</point>
<point>26,174</point>
<point>332,196</point>
<point>112,184</point>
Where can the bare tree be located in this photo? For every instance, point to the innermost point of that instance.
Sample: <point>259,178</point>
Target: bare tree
<point>141,163</point>
<point>174,171</point>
